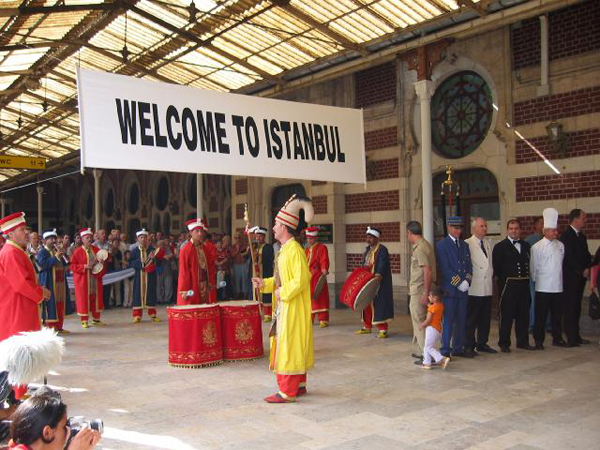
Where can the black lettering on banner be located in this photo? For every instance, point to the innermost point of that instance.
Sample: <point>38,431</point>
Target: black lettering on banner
<point>174,139</point>
<point>329,132</point>
<point>206,130</point>
<point>267,137</point>
<point>341,157</point>
<point>252,137</point>
<point>285,127</point>
<point>238,123</point>
<point>161,140</point>
<point>143,109</point>
<point>187,118</point>
<point>309,141</point>
<point>319,146</point>
<point>278,147</point>
<point>221,133</point>
<point>298,151</point>
<point>127,121</point>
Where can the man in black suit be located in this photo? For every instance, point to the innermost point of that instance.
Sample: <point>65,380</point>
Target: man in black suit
<point>576,270</point>
<point>510,260</point>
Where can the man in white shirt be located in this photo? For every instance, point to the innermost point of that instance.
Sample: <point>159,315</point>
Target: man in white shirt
<point>479,304</point>
<point>546,270</point>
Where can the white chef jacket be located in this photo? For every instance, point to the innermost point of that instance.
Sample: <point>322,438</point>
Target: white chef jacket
<point>546,265</point>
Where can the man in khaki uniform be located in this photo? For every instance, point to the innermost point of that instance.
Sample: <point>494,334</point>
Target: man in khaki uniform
<point>422,280</point>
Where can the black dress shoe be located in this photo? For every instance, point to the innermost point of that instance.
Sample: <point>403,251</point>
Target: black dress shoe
<point>463,354</point>
<point>414,355</point>
<point>418,362</point>
<point>486,349</point>
<point>559,343</point>
<point>572,344</point>
<point>539,347</point>
<point>471,353</point>
<point>526,347</point>
<point>583,341</point>
<point>505,349</point>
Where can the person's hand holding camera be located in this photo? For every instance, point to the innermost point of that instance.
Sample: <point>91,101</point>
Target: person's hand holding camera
<point>84,440</point>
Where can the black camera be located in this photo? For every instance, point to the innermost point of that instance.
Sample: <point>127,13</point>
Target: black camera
<point>76,423</point>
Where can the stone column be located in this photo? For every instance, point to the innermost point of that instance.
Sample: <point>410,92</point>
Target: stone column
<point>40,192</point>
<point>544,88</point>
<point>424,90</point>
<point>97,202</point>
<point>199,196</point>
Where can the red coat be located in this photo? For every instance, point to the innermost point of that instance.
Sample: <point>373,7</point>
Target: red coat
<point>20,295</point>
<point>189,275</point>
<point>82,278</point>
<point>318,260</point>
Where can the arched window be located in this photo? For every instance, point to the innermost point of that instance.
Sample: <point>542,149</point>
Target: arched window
<point>161,196</point>
<point>281,194</point>
<point>133,198</point>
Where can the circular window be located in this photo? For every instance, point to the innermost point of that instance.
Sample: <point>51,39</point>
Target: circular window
<point>133,198</point>
<point>89,206</point>
<point>461,114</point>
<point>109,202</point>
<point>162,194</point>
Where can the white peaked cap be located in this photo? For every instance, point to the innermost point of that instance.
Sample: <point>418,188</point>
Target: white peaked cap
<point>550,218</point>
<point>48,234</point>
<point>142,232</point>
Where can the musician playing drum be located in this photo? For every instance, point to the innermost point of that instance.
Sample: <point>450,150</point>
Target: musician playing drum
<point>318,263</point>
<point>381,311</point>
<point>53,261</point>
<point>88,271</point>
<point>143,260</point>
<point>194,267</point>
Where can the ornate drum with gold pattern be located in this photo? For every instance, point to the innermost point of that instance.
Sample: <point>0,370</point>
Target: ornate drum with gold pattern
<point>242,330</point>
<point>317,282</point>
<point>360,289</point>
<point>195,338</point>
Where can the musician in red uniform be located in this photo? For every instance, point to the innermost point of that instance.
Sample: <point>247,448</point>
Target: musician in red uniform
<point>195,260</point>
<point>88,286</point>
<point>318,263</point>
<point>20,295</point>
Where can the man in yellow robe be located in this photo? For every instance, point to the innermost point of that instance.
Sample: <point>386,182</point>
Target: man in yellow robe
<point>292,343</point>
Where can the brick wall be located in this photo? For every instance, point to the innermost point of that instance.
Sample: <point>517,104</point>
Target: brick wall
<point>552,107</point>
<point>320,204</point>
<point>239,211</point>
<point>581,143</point>
<point>372,201</point>
<point>375,85</point>
<point>572,31</point>
<point>241,186</point>
<point>554,187</point>
<point>390,231</point>
<point>353,261</point>
<point>382,138</point>
<point>382,169</point>
<point>591,230</point>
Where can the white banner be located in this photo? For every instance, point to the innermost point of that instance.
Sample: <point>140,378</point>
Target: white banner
<point>128,123</point>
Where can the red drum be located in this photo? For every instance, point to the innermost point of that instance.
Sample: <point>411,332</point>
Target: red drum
<point>316,284</point>
<point>360,289</point>
<point>242,330</point>
<point>195,336</point>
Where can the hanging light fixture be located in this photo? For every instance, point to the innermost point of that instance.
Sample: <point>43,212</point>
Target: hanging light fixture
<point>125,51</point>
<point>193,11</point>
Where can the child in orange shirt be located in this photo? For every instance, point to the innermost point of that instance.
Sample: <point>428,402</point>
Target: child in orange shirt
<point>433,332</point>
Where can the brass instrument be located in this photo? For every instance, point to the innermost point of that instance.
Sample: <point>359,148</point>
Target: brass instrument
<point>98,261</point>
<point>64,258</point>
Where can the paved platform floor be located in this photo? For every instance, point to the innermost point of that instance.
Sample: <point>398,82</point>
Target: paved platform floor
<point>364,393</point>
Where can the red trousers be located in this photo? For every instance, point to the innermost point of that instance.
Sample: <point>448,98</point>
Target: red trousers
<point>140,312</point>
<point>60,312</point>
<point>267,309</point>
<point>367,318</point>
<point>289,384</point>
<point>95,313</point>
<point>322,316</point>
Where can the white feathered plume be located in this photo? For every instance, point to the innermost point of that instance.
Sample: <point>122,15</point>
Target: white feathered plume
<point>29,356</point>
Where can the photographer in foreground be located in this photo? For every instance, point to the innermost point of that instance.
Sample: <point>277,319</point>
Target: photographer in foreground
<point>40,423</point>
